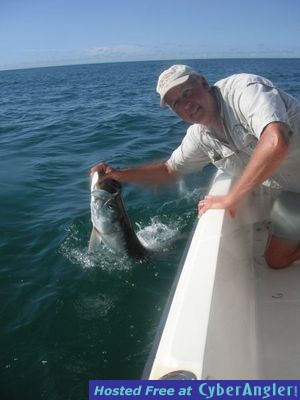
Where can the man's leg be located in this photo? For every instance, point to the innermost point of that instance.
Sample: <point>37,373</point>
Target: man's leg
<point>281,253</point>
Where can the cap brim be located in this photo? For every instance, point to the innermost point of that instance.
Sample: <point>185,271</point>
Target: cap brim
<point>173,84</point>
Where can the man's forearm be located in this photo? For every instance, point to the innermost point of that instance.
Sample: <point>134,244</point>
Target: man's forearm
<point>269,153</point>
<point>148,174</point>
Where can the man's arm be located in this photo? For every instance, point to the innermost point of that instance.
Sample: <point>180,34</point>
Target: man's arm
<point>148,174</point>
<point>269,153</point>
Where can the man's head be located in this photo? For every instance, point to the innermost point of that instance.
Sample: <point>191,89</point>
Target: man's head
<point>171,77</point>
<point>188,94</point>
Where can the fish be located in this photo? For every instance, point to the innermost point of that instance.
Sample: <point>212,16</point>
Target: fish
<point>111,223</point>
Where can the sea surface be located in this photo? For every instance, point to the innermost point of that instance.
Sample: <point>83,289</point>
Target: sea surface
<point>66,316</point>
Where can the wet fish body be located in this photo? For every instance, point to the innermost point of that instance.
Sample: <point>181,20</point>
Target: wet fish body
<point>111,224</point>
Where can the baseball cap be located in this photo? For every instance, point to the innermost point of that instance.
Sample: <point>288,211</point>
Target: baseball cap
<point>171,77</point>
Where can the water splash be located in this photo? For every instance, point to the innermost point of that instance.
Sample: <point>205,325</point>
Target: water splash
<point>75,249</point>
<point>158,235</point>
<point>154,235</point>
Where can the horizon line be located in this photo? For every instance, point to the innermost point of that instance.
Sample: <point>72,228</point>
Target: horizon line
<point>15,68</point>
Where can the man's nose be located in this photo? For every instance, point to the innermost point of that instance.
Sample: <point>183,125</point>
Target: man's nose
<point>188,105</point>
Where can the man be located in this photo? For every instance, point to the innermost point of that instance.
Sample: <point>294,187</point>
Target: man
<point>245,126</point>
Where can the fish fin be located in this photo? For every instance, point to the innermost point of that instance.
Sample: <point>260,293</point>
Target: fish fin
<point>95,240</point>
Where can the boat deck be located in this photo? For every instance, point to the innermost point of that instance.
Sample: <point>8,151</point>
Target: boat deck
<point>278,315</point>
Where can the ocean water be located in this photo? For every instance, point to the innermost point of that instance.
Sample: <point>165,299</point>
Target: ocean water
<point>67,317</point>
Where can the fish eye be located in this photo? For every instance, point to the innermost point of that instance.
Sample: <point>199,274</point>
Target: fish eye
<point>110,206</point>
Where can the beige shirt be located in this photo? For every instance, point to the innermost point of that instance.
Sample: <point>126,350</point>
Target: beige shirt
<point>248,103</point>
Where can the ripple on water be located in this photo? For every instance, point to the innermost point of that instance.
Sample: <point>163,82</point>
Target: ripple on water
<point>95,306</point>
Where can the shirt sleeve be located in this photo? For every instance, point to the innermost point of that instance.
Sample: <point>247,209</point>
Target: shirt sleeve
<point>189,156</point>
<point>260,105</point>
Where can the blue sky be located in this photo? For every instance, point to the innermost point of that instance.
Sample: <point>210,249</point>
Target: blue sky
<point>60,32</point>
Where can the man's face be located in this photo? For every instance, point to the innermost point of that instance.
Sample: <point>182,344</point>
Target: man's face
<point>193,101</point>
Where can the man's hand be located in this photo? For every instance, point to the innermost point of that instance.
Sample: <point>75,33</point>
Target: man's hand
<point>106,170</point>
<point>217,202</point>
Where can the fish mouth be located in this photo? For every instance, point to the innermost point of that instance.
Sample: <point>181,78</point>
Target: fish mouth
<point>101,193</point>
<point>104,196</point>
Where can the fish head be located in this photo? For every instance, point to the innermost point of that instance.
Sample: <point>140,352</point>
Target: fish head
<point>104,210</point>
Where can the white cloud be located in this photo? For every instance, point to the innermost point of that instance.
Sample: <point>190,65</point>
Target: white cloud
<point>122,50</point>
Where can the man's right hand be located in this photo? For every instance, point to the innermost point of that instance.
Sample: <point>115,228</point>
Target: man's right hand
<point>106,170</point>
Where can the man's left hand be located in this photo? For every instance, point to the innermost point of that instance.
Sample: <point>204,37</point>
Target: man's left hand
<point>216,202</point>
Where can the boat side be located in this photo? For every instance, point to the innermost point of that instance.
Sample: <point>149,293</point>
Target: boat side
<point>209,328</point>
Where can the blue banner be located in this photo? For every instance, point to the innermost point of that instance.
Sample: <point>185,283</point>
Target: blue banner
<point>193,390</point>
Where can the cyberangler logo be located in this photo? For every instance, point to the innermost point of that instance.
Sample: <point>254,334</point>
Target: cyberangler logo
<point>246,390</point>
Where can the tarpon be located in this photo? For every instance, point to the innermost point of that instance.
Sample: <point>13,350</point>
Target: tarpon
<point>111,224</point>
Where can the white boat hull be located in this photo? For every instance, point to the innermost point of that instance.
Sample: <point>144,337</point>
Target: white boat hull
<point>230,316</point>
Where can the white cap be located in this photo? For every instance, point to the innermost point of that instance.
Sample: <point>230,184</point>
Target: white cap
<point>174,76</point>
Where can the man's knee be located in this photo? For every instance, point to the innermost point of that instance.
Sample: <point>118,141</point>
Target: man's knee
<point>276,261</point>
<point>281,253</point>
